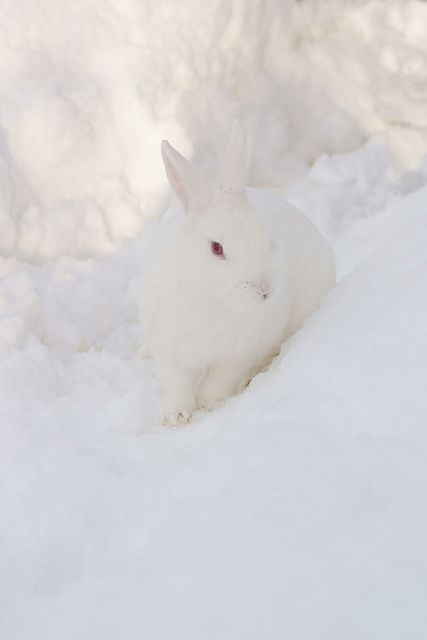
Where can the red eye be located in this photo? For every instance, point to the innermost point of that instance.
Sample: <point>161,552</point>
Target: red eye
<point>217,249</point>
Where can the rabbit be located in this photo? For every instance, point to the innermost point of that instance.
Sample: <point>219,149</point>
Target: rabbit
<point>229,287</point>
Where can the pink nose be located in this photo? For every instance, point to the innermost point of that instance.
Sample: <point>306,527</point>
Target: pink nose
<point>263,287</point>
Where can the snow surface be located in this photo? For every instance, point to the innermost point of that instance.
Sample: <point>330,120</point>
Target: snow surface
<point>298,510</point>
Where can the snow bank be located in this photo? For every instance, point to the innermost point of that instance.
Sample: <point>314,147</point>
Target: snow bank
<point>87,90</point>
<point>295,511</point>
<point>298,509</point>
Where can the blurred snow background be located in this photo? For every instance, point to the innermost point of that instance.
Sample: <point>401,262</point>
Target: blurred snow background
<point>88,88</point>
<point>298,510</point>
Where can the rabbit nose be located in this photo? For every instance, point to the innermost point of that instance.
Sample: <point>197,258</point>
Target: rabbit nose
<point>263,286</point>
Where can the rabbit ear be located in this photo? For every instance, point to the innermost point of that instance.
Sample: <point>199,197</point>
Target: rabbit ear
<point>189,184</point>
<point>232,178</point>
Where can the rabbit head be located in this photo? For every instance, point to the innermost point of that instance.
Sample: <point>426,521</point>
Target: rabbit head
<point>223,251</point>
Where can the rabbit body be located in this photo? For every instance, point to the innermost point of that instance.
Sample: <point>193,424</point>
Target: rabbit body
<point>230,286</point>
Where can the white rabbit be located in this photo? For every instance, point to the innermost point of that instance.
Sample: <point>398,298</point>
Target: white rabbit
<point>231,285</point>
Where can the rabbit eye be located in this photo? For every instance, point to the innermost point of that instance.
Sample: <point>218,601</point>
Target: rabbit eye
<point>217,249</point>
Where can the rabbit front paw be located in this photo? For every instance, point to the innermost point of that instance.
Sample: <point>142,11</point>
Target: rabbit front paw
<point>177,418</point>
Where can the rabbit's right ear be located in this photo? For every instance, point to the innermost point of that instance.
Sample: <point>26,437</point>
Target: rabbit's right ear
<point>188,183</point>
<point>232,178</point>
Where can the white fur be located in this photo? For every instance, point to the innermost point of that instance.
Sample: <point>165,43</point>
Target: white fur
<point>210,328</point>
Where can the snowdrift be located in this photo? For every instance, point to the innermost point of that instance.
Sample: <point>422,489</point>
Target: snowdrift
<point>296,510</point>
<point>88,88</point>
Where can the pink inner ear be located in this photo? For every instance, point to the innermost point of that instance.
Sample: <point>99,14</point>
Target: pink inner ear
<point>177,185</point>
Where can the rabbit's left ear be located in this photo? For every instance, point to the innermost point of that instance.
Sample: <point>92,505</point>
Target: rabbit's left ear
<point>232,178</point>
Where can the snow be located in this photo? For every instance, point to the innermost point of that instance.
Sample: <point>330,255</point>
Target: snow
<point>298,509</point>
<point>87,90</point>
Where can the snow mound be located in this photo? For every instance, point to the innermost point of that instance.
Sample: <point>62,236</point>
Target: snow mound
<point>87,90</point>
<point>297,510</point>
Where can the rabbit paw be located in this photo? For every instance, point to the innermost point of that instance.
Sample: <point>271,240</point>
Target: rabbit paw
<point>177,418</point>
